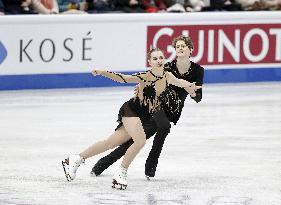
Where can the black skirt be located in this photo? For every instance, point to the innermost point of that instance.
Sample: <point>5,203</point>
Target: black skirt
<point>133,108</point>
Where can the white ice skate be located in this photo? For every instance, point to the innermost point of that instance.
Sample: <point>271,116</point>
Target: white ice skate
<point>120,179</point>
<point>70,166</point>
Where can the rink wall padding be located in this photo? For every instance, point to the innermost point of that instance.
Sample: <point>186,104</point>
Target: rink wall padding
<point>84,80</point>
<point>59,51</point>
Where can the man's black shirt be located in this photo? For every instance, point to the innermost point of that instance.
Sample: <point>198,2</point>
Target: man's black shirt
<point>173,103</point>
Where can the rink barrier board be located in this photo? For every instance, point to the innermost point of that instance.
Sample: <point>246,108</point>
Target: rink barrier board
<point>84,80</point>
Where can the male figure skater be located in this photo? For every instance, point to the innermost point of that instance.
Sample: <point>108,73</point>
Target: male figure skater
<point>182,68</point>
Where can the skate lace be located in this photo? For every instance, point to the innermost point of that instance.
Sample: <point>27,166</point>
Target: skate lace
<point>123,174</point>
<point>78,163</point>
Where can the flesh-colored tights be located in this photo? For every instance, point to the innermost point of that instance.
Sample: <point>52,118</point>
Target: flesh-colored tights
<point>132,128</point>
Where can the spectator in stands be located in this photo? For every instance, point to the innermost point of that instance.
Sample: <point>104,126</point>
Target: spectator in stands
<point>73,6</point>
<point>129,6</point>
<point>100,6</point>
<point>256,5</point>
<point>247,4</point>
<point>2,10</point>
<point>223,5</point>
<point>194,5</point>
<point>154,6</point>
<point>17,6</point>
<point>272,4</point>
<point>175,6</point>
<point>187,5</point>
<point>45,6</point>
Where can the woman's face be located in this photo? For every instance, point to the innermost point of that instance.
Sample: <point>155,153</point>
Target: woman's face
<point>182,49</point>
<point>157,59</point>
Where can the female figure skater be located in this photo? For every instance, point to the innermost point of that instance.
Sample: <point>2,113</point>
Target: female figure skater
<point>152,85</point>
<point>183,68</point>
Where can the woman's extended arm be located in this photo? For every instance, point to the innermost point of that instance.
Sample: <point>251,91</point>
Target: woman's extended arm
<point>121,78</point>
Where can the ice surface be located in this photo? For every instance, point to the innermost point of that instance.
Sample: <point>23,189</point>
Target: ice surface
<point>225,150</point>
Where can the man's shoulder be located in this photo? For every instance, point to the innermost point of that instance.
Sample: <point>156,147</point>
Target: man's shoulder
<point>197,66</point>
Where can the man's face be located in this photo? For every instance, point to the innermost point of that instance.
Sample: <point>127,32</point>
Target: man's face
<point>182,49</point>
<point>157,59</point>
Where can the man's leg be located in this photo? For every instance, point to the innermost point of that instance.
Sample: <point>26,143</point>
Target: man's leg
<point>149,129</point>
<point>163,130</point>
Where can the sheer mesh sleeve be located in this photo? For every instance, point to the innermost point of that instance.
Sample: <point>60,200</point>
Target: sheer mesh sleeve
<point>121,78</point>
<point>141,76</point>
<point>176,81</point>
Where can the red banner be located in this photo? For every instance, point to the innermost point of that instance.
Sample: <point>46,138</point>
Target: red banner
<point>222,44</point>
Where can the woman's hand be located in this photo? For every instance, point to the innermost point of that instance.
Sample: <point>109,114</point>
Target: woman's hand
<point>96,72</point>
<point>136,90</point>
<point>192,86</point>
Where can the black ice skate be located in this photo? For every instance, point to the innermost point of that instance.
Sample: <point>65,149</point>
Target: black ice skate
<point>102,165</point>
<point>149,171</point>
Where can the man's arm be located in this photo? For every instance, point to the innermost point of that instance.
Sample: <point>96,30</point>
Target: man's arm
<point>199,82</point>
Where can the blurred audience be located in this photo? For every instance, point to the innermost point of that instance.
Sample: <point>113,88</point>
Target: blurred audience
<point>129,6</point>
<point>45,6</point>
<point>223,5</point>
<point>154,6</point>
<point>194,5</point>
<point>132,6</point>
<point>17,6</point>
<point>100,6</point>
<point>2,10</point>
<point>73,6</point>
<point>257,5</point>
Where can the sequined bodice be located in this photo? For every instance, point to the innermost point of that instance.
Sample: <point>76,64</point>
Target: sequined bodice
<point>151,91</point>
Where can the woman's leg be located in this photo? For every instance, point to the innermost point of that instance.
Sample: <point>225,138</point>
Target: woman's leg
<point>117,138</point>
<point>134,128</point>
<point>71,164</point>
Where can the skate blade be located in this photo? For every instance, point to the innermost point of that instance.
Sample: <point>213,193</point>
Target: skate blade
<point>92,174</point>
<point>68,178</point>
<point>116,185</point>
<point>147,178</point>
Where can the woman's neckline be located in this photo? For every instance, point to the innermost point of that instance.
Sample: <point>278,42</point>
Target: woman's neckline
<point>156,76</point>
